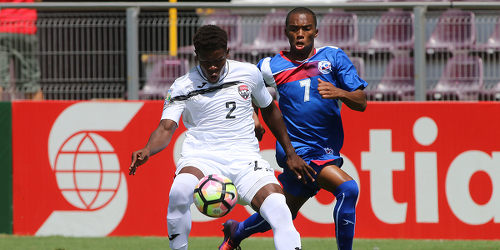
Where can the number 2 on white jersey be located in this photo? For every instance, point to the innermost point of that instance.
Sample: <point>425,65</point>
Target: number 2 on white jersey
<point>306,83</point>
<point>231,106</point>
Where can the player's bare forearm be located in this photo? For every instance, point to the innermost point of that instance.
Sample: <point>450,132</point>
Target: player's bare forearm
<point>158,140</point>
<point>355,100</point>
<point>273,119</point>
<point>161,136</point>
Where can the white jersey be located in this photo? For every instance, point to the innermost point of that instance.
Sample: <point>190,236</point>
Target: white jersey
<point>218,116</point>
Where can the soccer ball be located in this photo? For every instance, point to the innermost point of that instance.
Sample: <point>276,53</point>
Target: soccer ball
<point>215,195</point>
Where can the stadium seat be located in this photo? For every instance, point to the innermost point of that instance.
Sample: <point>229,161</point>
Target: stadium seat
<point>492,45</point>
<point>397,84</point>
<point>367,0</point>
<point>160,75</point>
<point>418,1</point>
<point>455,30</point>
<point>393,32</point>
<point>229,22</point>
<point>338,28</point>
<point>492,94</point>
<point>271,37</point>
<point>359,64</point>
<point>462,79</point>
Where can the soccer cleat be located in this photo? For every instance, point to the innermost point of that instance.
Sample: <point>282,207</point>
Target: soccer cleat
<point>229,229</point>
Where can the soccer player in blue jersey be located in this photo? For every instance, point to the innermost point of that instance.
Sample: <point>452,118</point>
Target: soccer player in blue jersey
<point>310,82</point>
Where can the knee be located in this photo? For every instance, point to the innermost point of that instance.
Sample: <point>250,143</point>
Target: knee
<point>347,197</point>
<point>181,192</point>
<point>351,190</point>
<point>348,190</point>
<point>179,197</point>
<point>275,212</point>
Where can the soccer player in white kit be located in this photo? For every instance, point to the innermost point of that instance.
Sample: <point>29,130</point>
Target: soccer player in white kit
<point>215,101</point>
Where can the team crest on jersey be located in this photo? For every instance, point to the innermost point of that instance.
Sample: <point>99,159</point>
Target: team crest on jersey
<point>325,67</point>
<point>328,151</point>
<point>244,91</point>
<point>167,99</point>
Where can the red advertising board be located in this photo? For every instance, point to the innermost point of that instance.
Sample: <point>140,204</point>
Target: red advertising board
<point>425,170</point>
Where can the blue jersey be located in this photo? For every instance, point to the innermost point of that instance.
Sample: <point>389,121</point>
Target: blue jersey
<point>313,123</point>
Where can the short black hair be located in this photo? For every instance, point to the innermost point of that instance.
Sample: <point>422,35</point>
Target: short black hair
<point>210,38</point>
<point>302,10</point>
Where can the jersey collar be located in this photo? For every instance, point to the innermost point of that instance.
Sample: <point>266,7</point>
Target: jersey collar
<point>222,76</point>
<point>282,54</point>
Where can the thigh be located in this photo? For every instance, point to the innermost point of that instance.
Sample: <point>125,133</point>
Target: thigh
<point>331,177</point>
<point>262,194</point>
<point>198,166</point>
<point>309,189</point>
<point>294,202</point>
<point>192,170</point>
<point>254,180</point>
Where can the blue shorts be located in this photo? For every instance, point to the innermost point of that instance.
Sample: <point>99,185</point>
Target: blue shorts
<point>296,187</point>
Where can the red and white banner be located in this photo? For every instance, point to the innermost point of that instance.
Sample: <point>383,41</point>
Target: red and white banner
<point>425,170</point>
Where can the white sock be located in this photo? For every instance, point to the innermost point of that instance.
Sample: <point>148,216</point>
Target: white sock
<point>179,215</point>
<point>276,212</point>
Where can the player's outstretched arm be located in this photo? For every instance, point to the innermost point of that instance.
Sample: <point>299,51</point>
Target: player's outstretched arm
<point>158,140</point>
<point>355,100</point>
<point>272,117</point>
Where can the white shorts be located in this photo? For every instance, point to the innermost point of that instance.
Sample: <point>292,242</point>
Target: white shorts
<point>249,173</point>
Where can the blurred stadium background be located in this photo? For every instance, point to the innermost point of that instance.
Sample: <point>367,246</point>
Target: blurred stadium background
<point>438,59</point>
<point>425,50</point>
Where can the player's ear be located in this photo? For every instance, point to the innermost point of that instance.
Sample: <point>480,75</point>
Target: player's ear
<point>315,33</point>
<point>227,53</point>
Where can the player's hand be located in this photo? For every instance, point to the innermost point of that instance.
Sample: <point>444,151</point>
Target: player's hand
<point>139,157</point>
<point>302,170</point>
<point>259,132</point>
<point>329,91</point>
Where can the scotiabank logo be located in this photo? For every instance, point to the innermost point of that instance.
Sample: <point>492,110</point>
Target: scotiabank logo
<point>87,169</point>
<point>458,177</point>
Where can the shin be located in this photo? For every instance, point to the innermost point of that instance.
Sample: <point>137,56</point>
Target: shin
<point>179,215</point>
<point>344,213</point>
<point>276,212</point>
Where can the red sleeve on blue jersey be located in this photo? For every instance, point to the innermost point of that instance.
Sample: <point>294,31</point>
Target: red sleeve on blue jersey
<point>313,123</point>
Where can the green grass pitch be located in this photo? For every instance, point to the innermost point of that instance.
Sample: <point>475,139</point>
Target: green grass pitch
<point>9,242</point>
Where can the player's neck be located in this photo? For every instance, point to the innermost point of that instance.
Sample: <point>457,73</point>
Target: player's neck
<point>300,56</point>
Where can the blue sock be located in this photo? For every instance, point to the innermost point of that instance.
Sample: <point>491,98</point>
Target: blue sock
<point>344,213</point>
<point>253,224</point>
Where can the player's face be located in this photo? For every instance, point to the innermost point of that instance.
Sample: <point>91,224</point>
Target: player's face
<point>212,63</point>
<point>301,32</point>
